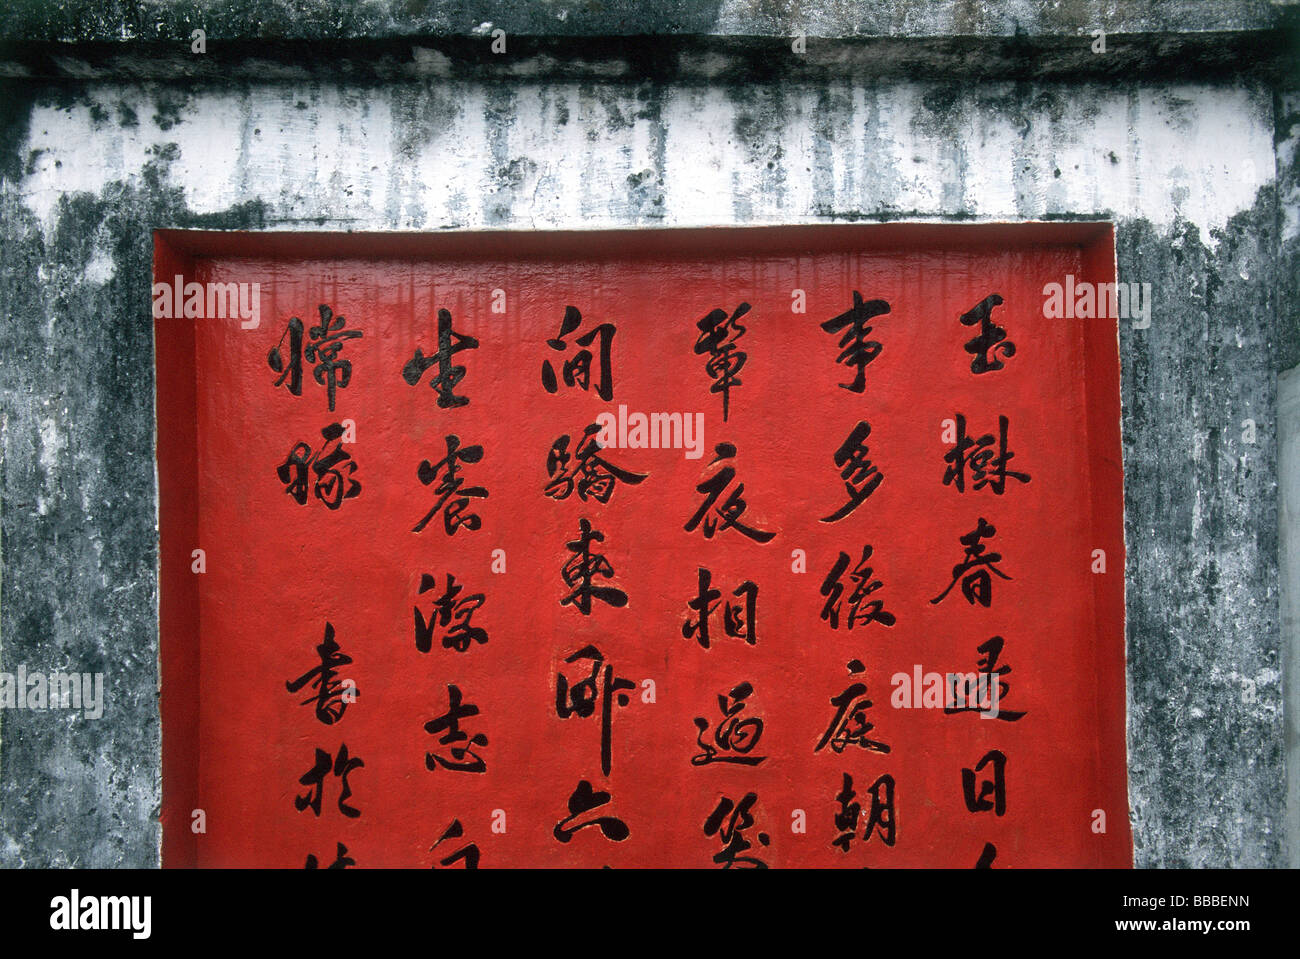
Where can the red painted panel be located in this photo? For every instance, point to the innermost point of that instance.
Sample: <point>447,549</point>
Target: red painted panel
<point>277,571</point>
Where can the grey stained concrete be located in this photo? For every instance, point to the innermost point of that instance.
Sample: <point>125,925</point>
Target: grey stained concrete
<point>698,127</point>
<point>1288,389</point>
<point>87,20</point>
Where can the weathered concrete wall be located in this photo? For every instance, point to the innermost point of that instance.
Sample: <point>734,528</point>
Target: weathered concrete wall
<point>85,20</point>
<point>1288,403</point>
<point>1187,170</point>
<point>1287,122</point>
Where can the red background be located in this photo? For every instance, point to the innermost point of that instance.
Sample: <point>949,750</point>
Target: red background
<point>236,742</point>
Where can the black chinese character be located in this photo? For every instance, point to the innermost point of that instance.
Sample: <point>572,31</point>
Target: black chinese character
<point>469,853</point>
<point>332,697</point>
<point>728,822</point>
<point>718,336</point>
<point>738,622</point>
<point>850,726</point>
<point>583,567</point>
<point>832,589</point>
<point>987,466</point>
<point>326,343</point>
<point>449,610</point>
<point>860,476</point>
<point>452,484</point>
<point>991,339</point>
<point>332,486</point>
<point>580,697</point>
<point>342,767</point>
<point>995,786</point>
<point>584,470</point>
<point>449,723</point>
<point>975,567</point>
<point>730,511</point>
<point>880,818</point>
<point>585,800</point>
<point>341,860</point>
<point>578,370</point>
<point>983,691</point>
<point>448,376</point>
<point>856,350</point>
<point>735,737</point>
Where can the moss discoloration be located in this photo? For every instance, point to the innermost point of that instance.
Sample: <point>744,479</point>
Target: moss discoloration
<point>80,590</point>
<point>1201,528</point>
<point>117,20</point>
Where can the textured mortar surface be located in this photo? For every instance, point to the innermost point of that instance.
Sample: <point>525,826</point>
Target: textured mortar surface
<point>1187,172</point>
<point>115,20</point>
